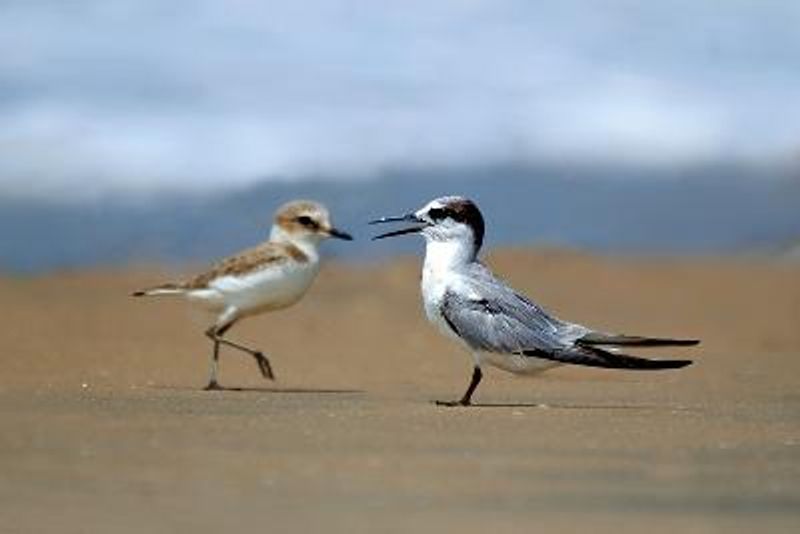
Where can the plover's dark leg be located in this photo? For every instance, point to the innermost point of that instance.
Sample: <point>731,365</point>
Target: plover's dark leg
<point>212,379</point>
<point>466,400</point>
<point>216,333</point>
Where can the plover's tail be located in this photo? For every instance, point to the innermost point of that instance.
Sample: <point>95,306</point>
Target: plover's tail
<point>162,290</point>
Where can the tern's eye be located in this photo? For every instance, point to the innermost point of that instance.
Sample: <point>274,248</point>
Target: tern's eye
<point>437,214</point>
<point>306,221</point>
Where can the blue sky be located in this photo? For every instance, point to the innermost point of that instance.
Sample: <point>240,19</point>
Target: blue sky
<point>141,96</point>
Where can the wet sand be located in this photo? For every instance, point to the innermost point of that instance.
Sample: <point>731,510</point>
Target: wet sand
<point>105,428</point>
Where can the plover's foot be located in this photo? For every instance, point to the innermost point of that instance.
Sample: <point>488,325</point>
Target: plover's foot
<point>213,386</point>
<point>264,366</point>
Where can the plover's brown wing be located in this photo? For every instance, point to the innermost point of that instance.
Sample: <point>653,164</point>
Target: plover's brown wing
<point>247,261</point>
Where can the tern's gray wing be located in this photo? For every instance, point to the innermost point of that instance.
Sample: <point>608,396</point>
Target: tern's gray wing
<point>489,324</point>
<point>490,316</point>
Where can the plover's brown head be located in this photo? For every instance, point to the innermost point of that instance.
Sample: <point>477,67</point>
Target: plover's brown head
<point>451,219</point>
<point>307,221</point>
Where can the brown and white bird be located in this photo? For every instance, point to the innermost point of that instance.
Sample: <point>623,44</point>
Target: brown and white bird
<point>272,275</point>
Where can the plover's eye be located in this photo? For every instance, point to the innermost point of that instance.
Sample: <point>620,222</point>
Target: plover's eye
<point>437,214</point>
<point>305,220</point>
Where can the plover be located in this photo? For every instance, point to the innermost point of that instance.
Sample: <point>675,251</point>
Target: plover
<point>499,326</point>
<point>272,275</point>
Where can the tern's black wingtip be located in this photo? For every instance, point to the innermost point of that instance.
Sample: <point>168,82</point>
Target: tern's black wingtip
<point>677,364</point>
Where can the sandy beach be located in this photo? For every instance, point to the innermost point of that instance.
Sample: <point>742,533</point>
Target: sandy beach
<point>105,427</point>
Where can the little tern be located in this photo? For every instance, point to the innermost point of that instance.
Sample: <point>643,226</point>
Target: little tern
<point>498,325</point>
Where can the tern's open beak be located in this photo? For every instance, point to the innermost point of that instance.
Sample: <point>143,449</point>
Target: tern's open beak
<point>403,218</point>
<point>338,234</point>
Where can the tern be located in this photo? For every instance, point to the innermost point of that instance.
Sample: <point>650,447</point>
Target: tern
<point>498,325</point>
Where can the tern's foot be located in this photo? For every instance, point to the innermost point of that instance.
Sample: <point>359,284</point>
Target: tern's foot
<point>461,402</point>
<point>213,386</point>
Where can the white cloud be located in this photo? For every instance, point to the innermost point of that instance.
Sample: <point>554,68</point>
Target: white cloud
<point>141,95</point>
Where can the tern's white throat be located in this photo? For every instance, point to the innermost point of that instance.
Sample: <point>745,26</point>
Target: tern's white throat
<point>452,252</point>
<point>453,233</point>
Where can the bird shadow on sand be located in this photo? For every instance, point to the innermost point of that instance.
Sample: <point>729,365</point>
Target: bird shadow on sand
<point>557,406</point>
<point>276,391</point>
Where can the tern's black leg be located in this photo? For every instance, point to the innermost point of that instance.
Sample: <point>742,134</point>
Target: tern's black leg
<point>466,400</point>
<point>263,363</point>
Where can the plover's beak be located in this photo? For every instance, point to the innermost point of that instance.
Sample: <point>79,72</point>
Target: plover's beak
<point>338,234</point>
<point>403,218</point>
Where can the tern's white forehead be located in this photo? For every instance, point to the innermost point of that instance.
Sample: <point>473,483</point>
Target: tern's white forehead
<point>443,202</point>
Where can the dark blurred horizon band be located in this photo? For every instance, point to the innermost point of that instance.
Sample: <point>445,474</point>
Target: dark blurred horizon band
<point>701,211</point>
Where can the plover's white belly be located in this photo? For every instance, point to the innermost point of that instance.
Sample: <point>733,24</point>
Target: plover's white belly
<point>517,363</point>
<point>209,299</point>
<point>276,286</point>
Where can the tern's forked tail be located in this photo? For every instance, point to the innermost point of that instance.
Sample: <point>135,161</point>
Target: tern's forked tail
<point>602,338</point>
<point>596,357</point>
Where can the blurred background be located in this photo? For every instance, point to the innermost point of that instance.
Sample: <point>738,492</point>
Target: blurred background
<point>141,139</point>
<point>141,130</point>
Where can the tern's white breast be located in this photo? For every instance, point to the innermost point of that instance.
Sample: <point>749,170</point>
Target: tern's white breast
<point>432,300</point>
<point>437,279</point>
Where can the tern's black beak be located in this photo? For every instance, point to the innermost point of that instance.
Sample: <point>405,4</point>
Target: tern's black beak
<point>403,218</point>
<point>338,234</point>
